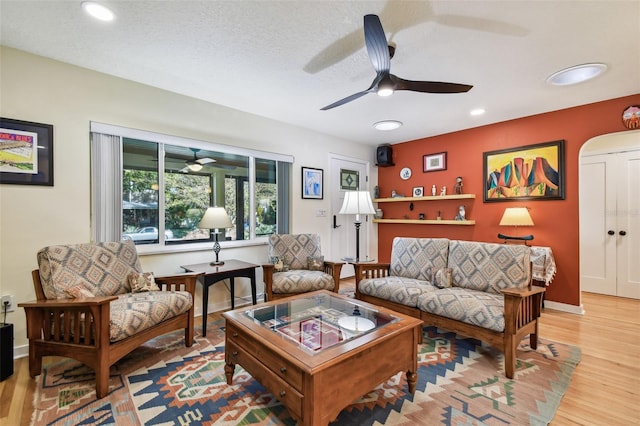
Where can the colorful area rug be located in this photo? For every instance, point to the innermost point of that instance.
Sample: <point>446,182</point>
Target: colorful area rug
<point>460,382</point>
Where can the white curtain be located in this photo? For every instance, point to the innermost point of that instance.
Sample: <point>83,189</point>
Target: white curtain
<point>106,187</point>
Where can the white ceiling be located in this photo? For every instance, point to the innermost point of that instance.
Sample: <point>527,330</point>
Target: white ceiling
<point>287,59</point>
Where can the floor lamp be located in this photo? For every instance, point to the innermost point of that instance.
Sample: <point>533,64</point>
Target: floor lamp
<point>357,202</point>
<point>215,218</point>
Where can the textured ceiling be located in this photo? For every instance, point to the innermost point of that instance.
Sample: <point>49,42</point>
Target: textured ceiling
<point>287,59</point>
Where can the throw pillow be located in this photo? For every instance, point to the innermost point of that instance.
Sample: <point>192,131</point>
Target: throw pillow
<point>78,292</point>
<point>278,264</point>
<point>142,282</point>
<point>443,278</point>
<point>315,263</point>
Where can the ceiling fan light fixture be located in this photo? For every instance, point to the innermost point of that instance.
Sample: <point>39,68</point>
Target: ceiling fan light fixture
<point>195,167</point>
<point>385,87</point>
<point>386,125</point>
<point>98,11</point>
<point>576,74</point>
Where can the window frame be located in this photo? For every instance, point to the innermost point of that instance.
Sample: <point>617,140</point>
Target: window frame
<point>283,181</point>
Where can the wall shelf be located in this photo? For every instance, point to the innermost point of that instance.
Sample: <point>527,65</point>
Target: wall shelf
<point>426,198</point>
<point>426,221</point>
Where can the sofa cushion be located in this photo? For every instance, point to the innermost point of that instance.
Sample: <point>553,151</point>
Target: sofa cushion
<point>489,267</point>
<point>405,291</point>
<point>301,281</point>
<point>418,258</point>
<point>470,306</point>
<point>134,312</point>
<point>101,268</point>
<point>295,249</point>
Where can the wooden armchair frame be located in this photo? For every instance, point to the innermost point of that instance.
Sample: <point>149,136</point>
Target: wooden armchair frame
<point>79,328</point>
<point>331,268</point>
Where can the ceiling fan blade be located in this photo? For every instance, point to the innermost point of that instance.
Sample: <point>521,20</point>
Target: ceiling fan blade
<point>205,160</point>
<point>184,170</point>
<point>346,100</point>
<point>372,88</point>
<point>377,45</point>
<point>429,86</point>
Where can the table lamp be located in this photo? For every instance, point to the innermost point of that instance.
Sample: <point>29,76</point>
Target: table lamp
<point>214,219</point>
<point>516,216</point>
<point>357,202</point>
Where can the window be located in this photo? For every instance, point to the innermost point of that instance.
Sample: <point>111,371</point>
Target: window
<point>153,189</point>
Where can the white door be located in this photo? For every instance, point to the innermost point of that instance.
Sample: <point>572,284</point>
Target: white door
<point>610,224</point>
<point>628,219</point>
<point>347,174</point>
<point>597,226</point>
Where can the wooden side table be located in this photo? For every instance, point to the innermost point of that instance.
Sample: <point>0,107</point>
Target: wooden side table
<point>212,274</point>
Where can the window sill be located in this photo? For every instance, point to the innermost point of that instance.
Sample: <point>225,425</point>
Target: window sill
<point>150,249</point>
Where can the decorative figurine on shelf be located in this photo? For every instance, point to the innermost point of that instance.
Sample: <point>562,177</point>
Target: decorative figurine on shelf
<point>458,187</point>
<point>433,190</point>
<point>421,216</point>
<point>376,191</point>
<point>394,194</point>
<point>439,217</point>
<point>461,213</point>
<point>379,213</point>
<point>443,191</point>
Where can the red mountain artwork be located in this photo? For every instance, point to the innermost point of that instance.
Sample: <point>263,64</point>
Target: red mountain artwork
<point>519,178</point>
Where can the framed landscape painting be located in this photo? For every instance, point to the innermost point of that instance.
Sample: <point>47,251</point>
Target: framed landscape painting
<point>26,152</point>
<point>533,172</point>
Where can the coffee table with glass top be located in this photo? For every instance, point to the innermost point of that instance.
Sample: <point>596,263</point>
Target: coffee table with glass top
<point>319,352</point>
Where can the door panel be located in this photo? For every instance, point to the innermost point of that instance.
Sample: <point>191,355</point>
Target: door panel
<point>628,232</point>
<point>343,235</point>
<point>597,246</point>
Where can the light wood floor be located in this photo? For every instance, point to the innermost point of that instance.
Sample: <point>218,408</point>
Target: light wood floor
<point>605,389</point>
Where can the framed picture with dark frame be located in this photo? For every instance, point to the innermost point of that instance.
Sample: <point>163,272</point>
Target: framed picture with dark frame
<point>434,162</point>
<point>312,183</point>
<point>532,172</point>
<point>26,153</point>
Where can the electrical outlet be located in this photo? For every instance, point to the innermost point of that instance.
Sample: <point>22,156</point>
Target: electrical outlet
<point>11,306</point>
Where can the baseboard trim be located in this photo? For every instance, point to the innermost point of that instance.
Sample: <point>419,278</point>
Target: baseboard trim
<point>564,307</point>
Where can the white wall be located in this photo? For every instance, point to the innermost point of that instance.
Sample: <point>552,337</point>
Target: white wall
<point>41,90</point>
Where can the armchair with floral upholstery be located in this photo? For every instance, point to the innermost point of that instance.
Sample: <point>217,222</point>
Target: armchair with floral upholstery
<point>94,304</point>
<point>298,266</point>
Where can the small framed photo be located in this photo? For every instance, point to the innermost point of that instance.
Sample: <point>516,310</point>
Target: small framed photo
<point>312,187</point>
<point>418,191</point>
<point>434,162</point>
<point>26,152</point>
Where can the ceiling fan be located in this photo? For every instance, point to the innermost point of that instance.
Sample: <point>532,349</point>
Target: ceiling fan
<point>196,164</point>
<point>385,83</point>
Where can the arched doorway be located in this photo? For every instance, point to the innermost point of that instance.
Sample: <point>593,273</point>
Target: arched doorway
<point>609,211</point>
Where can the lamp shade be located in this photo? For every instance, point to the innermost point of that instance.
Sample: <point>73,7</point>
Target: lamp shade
<point>357,202</point>
<point>214,218</point>
<point>516,216</point>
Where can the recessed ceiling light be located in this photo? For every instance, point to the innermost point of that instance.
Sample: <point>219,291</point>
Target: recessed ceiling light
<point>477,111</point>
<point>576,74</point>
<point>98,11</point>
<point>387,125</point>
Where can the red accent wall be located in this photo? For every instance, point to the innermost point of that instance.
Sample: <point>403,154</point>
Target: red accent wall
<point>556,221</point>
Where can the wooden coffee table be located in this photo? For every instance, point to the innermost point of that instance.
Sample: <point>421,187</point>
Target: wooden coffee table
<point>296,348</point>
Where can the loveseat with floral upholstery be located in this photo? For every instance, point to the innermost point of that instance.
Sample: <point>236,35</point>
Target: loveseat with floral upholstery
<point>482,290</point>
<point>95,304</point>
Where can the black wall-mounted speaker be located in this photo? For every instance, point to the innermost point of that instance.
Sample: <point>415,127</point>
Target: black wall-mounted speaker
<point>384,156</point>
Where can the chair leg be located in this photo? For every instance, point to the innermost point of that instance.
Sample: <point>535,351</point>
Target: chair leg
<point>509,356</point>
<point>102,381</point>
<point>533,338</point>
<point>35,362</point>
